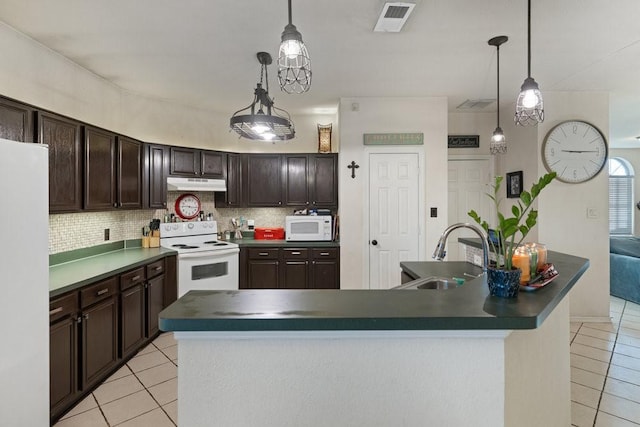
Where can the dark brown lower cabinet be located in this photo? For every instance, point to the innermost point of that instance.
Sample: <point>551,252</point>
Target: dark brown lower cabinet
<point>289,268</point>
<point>155,304</point>
<point>99,341</point>
<point>96,329</point>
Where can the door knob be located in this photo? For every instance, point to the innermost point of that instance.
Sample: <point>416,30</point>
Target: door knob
<point>374,242</point>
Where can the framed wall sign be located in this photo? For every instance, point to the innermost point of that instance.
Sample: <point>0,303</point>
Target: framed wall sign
<point>463,141</point>
<point>393,139</point>
<point>514,184</point>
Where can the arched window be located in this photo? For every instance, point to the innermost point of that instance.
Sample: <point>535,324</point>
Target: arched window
<point>620,196</point>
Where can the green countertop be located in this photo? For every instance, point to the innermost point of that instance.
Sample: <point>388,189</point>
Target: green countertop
<point>467,307</point>
<point>73,274</point>
<point>284,243</point>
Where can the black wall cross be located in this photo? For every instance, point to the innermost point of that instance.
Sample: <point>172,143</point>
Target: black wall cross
<point>353,168</point>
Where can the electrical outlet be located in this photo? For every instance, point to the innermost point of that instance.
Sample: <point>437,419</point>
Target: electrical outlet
<point>592,213</point>
<point>477,260</point>
<point>106,234</point>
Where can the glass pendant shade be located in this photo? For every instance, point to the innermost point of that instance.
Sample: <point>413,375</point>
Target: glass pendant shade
<point>253,123</point>
<point>498,144</point>
<point>294,64</point>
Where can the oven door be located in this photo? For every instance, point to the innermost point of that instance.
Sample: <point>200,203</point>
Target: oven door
<point>211,270</point>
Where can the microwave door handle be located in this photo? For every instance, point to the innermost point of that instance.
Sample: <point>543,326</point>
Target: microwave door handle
<point>209,254</point>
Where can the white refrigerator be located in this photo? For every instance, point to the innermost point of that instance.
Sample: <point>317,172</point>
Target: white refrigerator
<point>24,284</point>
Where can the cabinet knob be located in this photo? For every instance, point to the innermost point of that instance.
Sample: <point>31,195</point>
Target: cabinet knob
<point>374,242</point>
<point>115,205</point>
<point>55,311</point>
<point>279,203</point>
<point>86,316</point>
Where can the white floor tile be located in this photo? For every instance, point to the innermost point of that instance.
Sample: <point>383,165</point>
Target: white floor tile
<point>158,374</point>
<point>591,352</point>
<point>627,350</point>
<point>620,407</point>
<point>597,333</point>
<point>605,420</point>
<point>155,418</point>
<point>122,372</point>
<point>85,404</point>
<point>594,342</point>
<point>128,407</point>
<point>624,374</point>
<point>623,389</point>
<point>91,418</point>
<point>172,410</point>
<point>165,340</point>
<point>588,364</point>
<point>585,395</point>
<point>586,378</point>
<point>148,360</point>
<point>582,416</point>
<point>625,361</point>
<point>165,392</point>
<point>114,390</point>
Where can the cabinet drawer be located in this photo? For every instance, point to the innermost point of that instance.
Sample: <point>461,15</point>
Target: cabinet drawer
<point>63,306</point>
<point>266,253</point>
<point>131,278</point>
<point>328,253</point>
<point>155,269</point>
<point>295,253</point>
<point>98,292</point>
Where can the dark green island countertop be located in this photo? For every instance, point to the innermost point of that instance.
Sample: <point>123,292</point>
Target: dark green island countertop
<point>83,267</point>
<point>467,307</point>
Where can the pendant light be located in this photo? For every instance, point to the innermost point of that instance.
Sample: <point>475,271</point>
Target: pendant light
<point>529,105</point>
<point>294,65</point>
<point>498,143</point>
<point>268,123</point>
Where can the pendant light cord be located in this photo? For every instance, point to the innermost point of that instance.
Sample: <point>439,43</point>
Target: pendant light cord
<point>498,85</point>
<point>529,38</point>
<point>290,12</point>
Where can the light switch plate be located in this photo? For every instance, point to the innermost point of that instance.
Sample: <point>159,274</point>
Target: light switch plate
<point>592,213</point>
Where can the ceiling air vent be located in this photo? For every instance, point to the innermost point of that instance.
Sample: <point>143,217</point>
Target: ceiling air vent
<point>475,104</point>
<point>393,17</point>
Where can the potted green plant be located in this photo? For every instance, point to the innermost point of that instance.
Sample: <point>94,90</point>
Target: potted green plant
<point>523,219</point>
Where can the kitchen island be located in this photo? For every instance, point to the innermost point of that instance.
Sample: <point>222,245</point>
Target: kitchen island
<point>456,357</point>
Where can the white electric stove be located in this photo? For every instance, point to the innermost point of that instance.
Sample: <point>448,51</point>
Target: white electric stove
<point>204,263</point>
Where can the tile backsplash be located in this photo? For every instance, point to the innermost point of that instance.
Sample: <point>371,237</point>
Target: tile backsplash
<point>81,230</point>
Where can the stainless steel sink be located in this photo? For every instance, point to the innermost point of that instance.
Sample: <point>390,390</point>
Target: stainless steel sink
<point>433,283</point>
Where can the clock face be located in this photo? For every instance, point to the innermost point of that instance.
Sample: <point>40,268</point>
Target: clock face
<point>188,206</point>
<point>575,150</point>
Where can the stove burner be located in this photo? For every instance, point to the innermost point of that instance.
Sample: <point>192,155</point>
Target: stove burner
<point>183,246</point>
<point>215,243</point>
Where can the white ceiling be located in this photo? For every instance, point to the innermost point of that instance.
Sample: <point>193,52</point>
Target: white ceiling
<point>202,52</point>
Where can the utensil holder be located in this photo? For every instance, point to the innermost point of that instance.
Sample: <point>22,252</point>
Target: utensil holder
<point>145,241</point>
<point>154,241</point>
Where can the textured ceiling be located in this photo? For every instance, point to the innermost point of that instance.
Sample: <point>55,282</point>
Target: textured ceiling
<point>202,52</point>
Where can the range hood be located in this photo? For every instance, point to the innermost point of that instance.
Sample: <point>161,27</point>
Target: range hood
<point>195,184</point>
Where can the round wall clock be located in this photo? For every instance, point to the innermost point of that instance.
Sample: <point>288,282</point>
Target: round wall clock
<point>576,150</point>
<point>188,206</point>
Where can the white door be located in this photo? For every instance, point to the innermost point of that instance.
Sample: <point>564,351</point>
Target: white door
<point>469,180</point>
<point>394,232</point>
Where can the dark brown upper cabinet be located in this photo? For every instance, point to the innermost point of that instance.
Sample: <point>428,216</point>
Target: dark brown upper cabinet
<point>192,162</point>
<point>311,180</point>
<point>129,172</point>
<point>64,138</point>
<point>264,180</point>
<point>323,180</point>
<point>99,169</point>
<point>16,121</point>
<point>112,171</point>
<point>232,198</point>
<point>156,170</point>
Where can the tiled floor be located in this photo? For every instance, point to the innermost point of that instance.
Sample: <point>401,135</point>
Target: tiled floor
<point>605,369</point>
<point>143,393</point>
<point>605,380</point>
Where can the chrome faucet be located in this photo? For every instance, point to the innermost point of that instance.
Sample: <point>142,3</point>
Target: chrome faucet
<point>440,251</point>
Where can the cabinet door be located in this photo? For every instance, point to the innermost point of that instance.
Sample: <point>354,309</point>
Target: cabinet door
<point>129,173</point>
<point>63,364</point>
<point>16,121</point>
<point>296,171</point>
<point>295,268</point>
<point>263,274</point>
<point>156,171</point>
<point>324,180</point>
<point>100,169</point>
<point>170,280</point>
<point>264,180</point>
<point>155,304</point>
<point>325,268</point>
<point>63,136</point>
<point>212,164</point>
<point>233,196</point>
<point>99,340</point>
<point>185,161</point>
<point>132,308</point>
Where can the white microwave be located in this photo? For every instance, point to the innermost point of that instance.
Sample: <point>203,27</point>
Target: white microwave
<point>308,228</point>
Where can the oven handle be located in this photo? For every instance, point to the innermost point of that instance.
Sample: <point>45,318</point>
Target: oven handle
<point>209,254</point>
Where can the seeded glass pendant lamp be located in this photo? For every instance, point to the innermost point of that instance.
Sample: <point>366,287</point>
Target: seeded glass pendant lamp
<point>498,143</point>
<point>294,65</point>
<point>261,120</point>
<point>529,105</point>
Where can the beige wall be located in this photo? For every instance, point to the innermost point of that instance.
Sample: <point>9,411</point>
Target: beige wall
<point>632,155</point>
<point>387,115</point>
